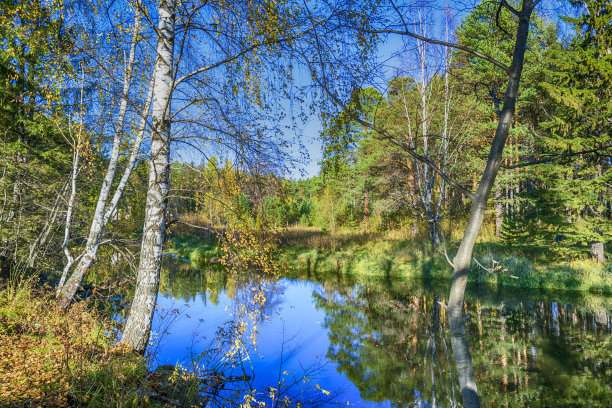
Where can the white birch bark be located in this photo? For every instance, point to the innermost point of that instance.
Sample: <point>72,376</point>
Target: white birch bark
<point>67,290</point>
<point>70,208</point>
<point>138,326</point>
<point>76,156</point>
<point>114,202</point>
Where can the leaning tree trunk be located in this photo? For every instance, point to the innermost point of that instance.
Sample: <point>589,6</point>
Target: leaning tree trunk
<point>68,288</point>
<point>462,260</point>
<point>138,326</point>
<point>70,208</point>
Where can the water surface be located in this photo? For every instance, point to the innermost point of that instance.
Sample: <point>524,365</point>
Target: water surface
<point>385,342</point>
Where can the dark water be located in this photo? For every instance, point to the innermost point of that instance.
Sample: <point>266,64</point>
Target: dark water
<point>385,343</point>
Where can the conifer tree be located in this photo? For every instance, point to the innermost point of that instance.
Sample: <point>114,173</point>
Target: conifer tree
<point>576,186</point>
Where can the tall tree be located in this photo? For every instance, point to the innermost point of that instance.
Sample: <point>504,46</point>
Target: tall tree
<point>575,177</point>
<point>106,204</point>
<point>228,92</point>
<point>479,199</point>
<point>138,326</point>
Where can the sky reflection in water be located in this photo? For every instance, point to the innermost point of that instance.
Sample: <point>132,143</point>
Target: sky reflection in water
<point>379,342</point>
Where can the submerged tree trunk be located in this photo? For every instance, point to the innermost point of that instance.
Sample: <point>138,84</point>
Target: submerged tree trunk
<point>463,257</point>
<point>138,326</point>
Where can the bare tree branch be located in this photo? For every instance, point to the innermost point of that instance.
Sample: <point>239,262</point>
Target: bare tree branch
<point>508,7</point>
<point>556,157</point>
<point>438,42</point>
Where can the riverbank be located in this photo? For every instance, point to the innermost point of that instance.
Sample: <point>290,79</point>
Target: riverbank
<point>51,357</point>
<point>308,250</point>
<point>57,358</point>
<point>391,254</point>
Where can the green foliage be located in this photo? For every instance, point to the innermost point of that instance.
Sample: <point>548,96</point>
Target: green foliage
<point>35,105</point>
<point>576,81</point>
<point>514,231</point>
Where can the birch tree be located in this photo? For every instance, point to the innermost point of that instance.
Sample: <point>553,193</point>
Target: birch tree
<point>226,97</point>
<point>71,279</point>
<point>138,326</point>
<point>425,116</point>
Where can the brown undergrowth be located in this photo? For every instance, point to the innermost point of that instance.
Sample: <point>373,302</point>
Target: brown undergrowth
<point>55,358</point>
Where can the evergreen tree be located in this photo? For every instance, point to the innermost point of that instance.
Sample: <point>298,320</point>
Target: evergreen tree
<point>579,131</point>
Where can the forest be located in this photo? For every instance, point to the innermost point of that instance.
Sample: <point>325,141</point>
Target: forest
<point>278,203</point>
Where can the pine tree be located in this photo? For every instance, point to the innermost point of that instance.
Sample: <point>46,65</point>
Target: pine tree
<point>579,130</point>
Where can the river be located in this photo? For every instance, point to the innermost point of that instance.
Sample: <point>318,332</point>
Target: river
<point>325,339</point>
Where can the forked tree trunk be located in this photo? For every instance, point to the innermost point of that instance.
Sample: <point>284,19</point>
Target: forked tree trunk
<point>138,326</point>
<point>463,257</point>
<point>68,288</point>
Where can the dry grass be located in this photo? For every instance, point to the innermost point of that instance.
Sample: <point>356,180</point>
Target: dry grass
<point>55,358</point>
<point>314,238</point>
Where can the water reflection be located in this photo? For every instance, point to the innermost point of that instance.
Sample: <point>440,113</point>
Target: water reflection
<point>390,339</point>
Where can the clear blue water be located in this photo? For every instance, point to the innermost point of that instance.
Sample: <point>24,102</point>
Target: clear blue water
<point>382,343</point>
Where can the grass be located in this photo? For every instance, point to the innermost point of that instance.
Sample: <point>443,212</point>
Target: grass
<point>55,358</point>
<point>50,357</point>
<point>197,248</point>
<point>399,255</point>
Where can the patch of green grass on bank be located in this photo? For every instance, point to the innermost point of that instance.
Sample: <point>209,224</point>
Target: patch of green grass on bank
<point>197,248</point>
<point>393,255</point>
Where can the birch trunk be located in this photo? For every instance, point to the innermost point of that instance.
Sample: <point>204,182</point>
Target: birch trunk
<point>463,258</point>
<point>138,326</point>
<point>73,190</point>
<point>67,290</point>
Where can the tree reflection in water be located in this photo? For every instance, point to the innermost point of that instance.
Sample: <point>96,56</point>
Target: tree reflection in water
<point>392,349</point>
<point>391,337</point>
<point>525,352</point>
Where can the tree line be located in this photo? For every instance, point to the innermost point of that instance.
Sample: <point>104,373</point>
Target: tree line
<point>98,98</point>
<point>444,108</point>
